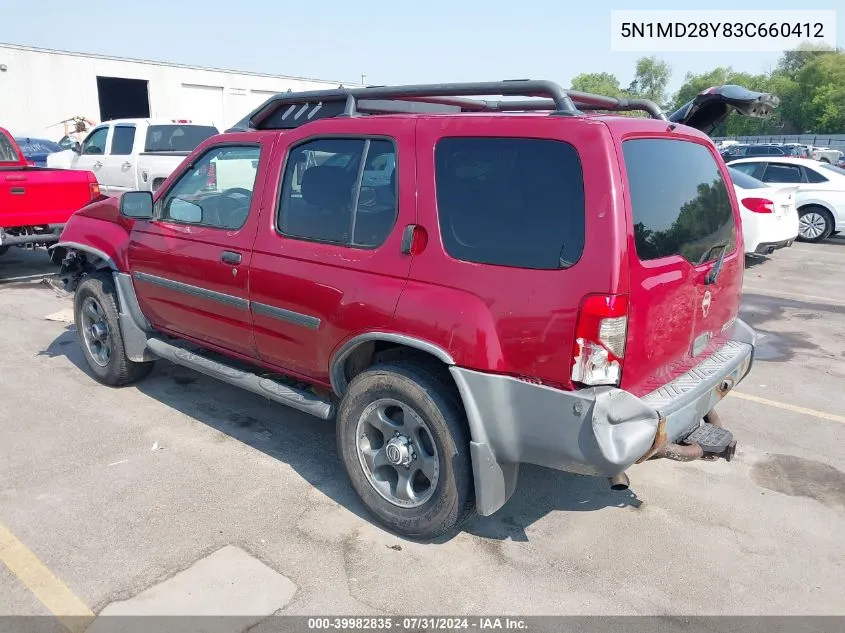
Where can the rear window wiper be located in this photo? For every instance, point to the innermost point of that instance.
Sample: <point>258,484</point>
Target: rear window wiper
<point>713,275</point>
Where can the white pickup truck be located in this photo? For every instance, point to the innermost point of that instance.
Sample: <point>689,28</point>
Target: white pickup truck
<point>133,154</point>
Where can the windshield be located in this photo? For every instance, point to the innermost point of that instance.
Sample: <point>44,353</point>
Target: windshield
<point>177,138</point>
<point>833,168</point>
<point>744,181</point>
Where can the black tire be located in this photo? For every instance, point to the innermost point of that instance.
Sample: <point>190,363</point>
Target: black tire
<point>117,369</point>
<point>422,387</point>
<point>3,250</point>
<point>819,212</point>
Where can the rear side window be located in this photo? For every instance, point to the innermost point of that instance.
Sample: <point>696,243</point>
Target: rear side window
<point>122,140</point>
<point>814,176</point>
<point>782,173</point>
<point>176,138</point>
<point>510,201</point>
<point>680,202</point>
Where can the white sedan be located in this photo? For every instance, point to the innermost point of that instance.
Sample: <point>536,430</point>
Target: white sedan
<point>821,191</point>
<point>769,216</point>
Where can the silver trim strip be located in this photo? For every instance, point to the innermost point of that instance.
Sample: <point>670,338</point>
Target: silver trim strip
<point>297,318</point>
<point>196,291</point>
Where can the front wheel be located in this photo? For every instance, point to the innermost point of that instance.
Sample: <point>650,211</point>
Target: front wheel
<point>98,329</point>
<point>403,438</point>
<point>814,224</point>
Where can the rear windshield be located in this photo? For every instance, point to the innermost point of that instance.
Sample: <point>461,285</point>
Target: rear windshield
<point>510,201</point>
<point>744,181</point>
<point>679,199</point>
<point>176,138</point>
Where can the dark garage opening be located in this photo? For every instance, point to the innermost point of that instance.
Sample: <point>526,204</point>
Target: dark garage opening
<point>122,98</point>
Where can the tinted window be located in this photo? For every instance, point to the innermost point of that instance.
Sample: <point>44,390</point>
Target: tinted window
<point>681,205</point>
<point>776,151</point>
<point>123,139</point>
<point>176,138</point>
<point>814,176</point>
<point>757,151</point>
<point>328,195</point>
<point>96,142</point>
<point>776,172</point>
<point>7,150</point>
<point>510,201</point>
<point>216,191</point>
<point>743,180</point>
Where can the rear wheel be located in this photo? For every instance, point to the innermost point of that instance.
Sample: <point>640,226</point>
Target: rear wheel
<point>98,330</point>
<point>403,438</point>
<point>814,224</point>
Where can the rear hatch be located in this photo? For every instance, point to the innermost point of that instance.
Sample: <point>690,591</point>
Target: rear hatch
<point>685,264</point>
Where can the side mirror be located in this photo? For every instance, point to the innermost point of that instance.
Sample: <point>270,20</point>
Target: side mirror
<point>76,147</point>
<point>137,204</point>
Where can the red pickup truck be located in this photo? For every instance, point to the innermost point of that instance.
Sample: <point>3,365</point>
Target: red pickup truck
<point>463,285</point>
<point>35,202</point>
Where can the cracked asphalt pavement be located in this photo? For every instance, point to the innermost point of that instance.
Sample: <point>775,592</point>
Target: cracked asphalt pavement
<point>116,491</point>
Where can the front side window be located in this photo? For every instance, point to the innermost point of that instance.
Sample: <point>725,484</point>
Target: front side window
<point>680,202</point>
<point>341,191</point>
<point>216,191</point>
<point>123,140</point>
<point>516,202</point>
<point>95,144</point>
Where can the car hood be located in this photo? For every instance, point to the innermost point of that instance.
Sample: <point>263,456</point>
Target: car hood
<point>710,107</point>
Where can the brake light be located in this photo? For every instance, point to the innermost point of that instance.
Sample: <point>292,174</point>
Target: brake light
<point>759,205</point>
<point>600,334</point>
<point>180,120</point>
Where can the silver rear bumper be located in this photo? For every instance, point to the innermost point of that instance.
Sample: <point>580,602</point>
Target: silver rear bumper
<point>597,431</point>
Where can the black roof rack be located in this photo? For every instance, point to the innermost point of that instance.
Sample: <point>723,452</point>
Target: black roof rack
<point>290,110</point>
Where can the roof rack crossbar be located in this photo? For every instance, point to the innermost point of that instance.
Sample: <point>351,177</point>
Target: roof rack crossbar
<point>540,95</point>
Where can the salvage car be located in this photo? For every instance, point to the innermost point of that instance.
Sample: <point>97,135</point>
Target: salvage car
<point>820,191</point>
<point>536,280</point>
<point>35,202</point>
<point>134,154</point>
<point>769,215</point>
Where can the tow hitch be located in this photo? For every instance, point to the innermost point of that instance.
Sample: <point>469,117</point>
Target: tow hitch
<point>708,441</point>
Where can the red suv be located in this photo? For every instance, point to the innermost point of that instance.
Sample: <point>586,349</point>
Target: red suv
<point>463,285</point>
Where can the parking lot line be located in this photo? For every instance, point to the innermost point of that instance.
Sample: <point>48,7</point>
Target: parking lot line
<point>789,407</point>
<point>52,592</point>
<point>751,287</point>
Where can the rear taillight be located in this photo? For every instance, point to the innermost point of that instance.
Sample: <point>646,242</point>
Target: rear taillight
<point>759,205</point>
<point>600,334</point>
<point>93,186</point>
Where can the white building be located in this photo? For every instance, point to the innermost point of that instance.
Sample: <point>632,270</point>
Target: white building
<point>40,88</point>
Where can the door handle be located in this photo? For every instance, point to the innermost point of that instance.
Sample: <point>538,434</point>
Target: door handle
<point>98,164</point>
<point>18,191</point>
<point>230,257</point>
<point>126,165</point>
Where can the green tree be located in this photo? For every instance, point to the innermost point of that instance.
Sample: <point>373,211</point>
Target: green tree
<point>650,79</point>
<point>597,83</point>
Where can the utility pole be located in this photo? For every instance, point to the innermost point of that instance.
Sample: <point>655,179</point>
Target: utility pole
<point>363,80</point>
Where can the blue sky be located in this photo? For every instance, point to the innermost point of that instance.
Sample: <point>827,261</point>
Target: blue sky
<point>390,42</point>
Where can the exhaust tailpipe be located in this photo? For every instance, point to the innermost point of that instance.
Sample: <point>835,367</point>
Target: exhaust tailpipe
<point>619,482</point>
